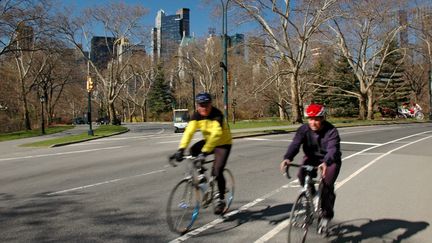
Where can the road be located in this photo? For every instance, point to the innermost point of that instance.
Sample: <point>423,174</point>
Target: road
<point>115,189</point>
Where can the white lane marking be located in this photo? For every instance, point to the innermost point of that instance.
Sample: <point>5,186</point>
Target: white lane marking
<point>62,153</point>
<point>289,140</point>
<point>375,160</point>
<point>102,183</point>
<point>285,223</point>
<point>176,141</point>
<point>370,130</point>
<point>360,143</point>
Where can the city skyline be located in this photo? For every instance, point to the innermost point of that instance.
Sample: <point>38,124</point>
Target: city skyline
<point>200,15</point>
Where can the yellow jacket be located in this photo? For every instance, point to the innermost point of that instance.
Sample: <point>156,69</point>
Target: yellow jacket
<point>213,127</point>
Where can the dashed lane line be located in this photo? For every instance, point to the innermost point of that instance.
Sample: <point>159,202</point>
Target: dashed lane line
<point>60,153</point>
<point>102,183</point>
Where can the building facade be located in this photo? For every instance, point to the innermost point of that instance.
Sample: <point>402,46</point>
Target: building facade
<point>101,50</point>
<point>168,32</point>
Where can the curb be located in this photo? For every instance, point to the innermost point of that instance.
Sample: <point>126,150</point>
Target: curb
<point>252,133</point>
<point>85,140</point>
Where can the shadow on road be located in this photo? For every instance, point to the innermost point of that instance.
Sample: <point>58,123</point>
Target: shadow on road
<point>386,230</point>
<point>273,214</point>
<point>66,218</point>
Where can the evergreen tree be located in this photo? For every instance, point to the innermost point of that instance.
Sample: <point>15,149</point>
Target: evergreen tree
<point>160,95</point>
<point>320,72</point>
<point>390,88</point>
<point>344,79</point>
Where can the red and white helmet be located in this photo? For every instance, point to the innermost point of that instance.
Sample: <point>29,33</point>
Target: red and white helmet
<point>315,110</point>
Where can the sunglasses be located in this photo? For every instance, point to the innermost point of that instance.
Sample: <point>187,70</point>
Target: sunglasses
<point>204,105</point>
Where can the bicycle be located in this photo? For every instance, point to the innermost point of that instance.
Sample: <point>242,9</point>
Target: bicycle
<point>193,192</point>
<point>306,210</point>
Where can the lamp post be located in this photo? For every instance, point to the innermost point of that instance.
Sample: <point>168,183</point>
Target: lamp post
<point>430,93</point>
<point>42,101</point>
<point>224,63</point>
<point>193,93</point>
<point>89,91</point>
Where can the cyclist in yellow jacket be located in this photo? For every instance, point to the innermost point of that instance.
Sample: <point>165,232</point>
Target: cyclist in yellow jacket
<point>217,140</point>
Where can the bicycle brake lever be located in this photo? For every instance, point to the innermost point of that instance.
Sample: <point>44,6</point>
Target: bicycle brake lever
<point>170,161</point>
<point>287,172</point>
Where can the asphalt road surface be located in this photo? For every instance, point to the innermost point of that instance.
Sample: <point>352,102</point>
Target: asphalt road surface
<point>115,189</point>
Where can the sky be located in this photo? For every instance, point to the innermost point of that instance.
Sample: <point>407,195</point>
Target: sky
<point>200,18</point>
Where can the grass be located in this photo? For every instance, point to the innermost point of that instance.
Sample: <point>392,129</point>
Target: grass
<point>101,131</point>
<point>33,133</point>
<point>338,122</point>
<point>258,123</point>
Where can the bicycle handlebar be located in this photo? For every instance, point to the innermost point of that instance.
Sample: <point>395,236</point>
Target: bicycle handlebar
<point>172,162</point>
<point>306,167</point>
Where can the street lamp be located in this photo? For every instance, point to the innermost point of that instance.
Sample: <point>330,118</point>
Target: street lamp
<point>42,101</point>
<point>430,93</point>
<point>89,91</point>
<point>224,63</point>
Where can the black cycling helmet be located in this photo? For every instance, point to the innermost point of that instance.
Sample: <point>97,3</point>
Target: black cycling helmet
<point>203,97</point>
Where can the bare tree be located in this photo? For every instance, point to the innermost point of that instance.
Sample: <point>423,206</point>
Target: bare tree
<point>136,92</point>
<point>289,28</point>
<point>422,27</point>
<point>363,36</point>
<point>122,23</point>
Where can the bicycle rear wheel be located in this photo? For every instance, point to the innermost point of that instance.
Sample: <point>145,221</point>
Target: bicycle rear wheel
<point>299,220</point>
<point>183,206</point>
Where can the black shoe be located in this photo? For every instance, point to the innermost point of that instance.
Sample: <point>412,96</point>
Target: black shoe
<point>219,207</point>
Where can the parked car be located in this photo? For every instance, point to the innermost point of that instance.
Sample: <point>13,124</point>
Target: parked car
<point>102,121</point>
<point>78,121</point>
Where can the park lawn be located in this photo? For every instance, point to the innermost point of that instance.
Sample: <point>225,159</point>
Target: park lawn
<point>338,122</point>
<point>33,133</point>
<point>101,131</point>
<point>258,123</point>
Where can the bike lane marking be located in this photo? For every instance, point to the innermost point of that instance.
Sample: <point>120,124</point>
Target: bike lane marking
<point>102,183</point>
<point>281,226</point>
<point>290,140</point>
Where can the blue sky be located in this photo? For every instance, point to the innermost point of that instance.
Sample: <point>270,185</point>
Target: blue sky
<point>200,19</point>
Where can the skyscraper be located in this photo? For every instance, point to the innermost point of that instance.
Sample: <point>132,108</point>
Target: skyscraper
<point>101,50</point>
<point>168,33</point>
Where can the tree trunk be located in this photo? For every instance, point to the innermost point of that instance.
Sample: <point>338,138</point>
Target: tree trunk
<point>27,123</point>
<point>112,113</point>
<point>362,107</point>
<point>295,102</point>
<point>370,102</point>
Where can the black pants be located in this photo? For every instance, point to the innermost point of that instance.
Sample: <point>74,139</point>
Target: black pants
<point>328,195</point>
<point>221,154</point>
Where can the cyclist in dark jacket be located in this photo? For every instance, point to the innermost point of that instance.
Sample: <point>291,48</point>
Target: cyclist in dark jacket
<point>321,147</point>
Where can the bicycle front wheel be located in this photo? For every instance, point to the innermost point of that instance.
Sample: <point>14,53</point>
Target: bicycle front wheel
<point>183,206</point>
<point>299,220</point>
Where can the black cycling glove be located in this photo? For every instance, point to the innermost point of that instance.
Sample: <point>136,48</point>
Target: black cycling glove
<point>179,155</point>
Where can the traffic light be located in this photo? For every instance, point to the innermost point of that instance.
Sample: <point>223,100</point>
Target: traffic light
<point>90,86</point>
